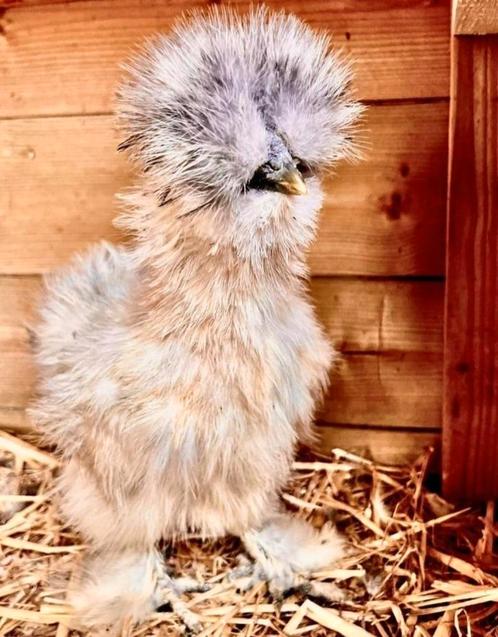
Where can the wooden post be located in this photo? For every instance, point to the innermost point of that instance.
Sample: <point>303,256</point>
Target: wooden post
<point>470,412</point>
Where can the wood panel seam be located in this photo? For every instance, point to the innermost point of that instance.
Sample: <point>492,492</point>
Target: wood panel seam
<point>410,101</point>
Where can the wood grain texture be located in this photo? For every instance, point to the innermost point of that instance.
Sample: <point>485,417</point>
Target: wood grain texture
<point>470,459</point>
<point>475,17</point>
<point>381,315</point>
<point>14,420</point>
<point>61,176</point>
<point>397,392</point>
<point>401,389</point>
<point>358,315</point>
<point>18,298</point>
<point>8,4</point>
<point>389,375</point>
<point>64,58</point>
<point>388,446</point>
<point>384,216</point>
<point>381,445</point>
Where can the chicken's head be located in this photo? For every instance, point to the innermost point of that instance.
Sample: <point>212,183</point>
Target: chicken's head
<point>238,116</point>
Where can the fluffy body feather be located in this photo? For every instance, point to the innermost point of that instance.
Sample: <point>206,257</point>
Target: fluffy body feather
<point>177,374</point>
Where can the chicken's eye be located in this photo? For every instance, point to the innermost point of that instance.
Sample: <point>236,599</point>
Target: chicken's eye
<point>260,180</point>
<point>303,167</point>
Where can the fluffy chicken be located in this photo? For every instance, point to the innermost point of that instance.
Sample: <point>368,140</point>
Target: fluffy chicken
<point>178,373</point>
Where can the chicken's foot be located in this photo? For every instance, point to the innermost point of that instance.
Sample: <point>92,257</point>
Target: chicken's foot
<point>286,551</point>
<point>169,591</point>
<point>281,579</point>
<point>248,574</point>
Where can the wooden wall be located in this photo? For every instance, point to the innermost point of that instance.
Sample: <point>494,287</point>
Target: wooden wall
<point>378,263</point>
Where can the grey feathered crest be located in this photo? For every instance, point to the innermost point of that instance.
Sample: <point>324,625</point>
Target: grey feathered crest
<point>200,103</point>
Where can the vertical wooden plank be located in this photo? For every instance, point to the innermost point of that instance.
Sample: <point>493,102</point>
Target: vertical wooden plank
<point>470,418</point>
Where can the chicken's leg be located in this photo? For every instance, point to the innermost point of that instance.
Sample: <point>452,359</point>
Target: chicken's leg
<point>169,592</point>
<point>129,586</point>
<point>285,551</point>
<point>123,577</point>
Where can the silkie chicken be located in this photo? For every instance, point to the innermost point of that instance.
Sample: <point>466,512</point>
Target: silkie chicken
<point>178,373</point>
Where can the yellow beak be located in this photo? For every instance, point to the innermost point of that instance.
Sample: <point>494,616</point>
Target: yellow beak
<point>291,182</point>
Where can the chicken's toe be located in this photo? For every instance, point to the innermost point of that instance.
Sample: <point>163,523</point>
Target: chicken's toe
<point>185,584</point>
<point>168,595</point>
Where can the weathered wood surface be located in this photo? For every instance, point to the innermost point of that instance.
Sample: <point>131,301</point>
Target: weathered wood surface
<point>381,315</point>
<point>61,176</point>
<point>384,216</point>
<point>475,17</point>
<point>381,445</point>
<point>64,58</point>
<point>396,389</point>
<point>388,333</point>
<point>18,297</point>
<point>14,420</point>
<point>470,459</point>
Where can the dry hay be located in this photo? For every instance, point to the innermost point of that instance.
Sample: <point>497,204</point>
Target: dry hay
<point>417,567</point>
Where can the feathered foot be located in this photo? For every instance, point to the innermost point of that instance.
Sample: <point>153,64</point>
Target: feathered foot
<point>127,586</point>
<point>285,552</point>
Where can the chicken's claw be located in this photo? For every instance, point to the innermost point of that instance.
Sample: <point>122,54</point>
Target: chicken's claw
<point>169,592</point>
<point>286,551</point>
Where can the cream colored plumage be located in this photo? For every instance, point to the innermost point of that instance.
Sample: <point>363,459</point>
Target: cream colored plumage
<point>178,373</point>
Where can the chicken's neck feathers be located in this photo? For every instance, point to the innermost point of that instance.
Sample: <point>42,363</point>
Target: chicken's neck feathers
<point>191,275</point>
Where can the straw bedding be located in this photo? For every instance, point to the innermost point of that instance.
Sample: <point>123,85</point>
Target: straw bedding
<point>417,566</point>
